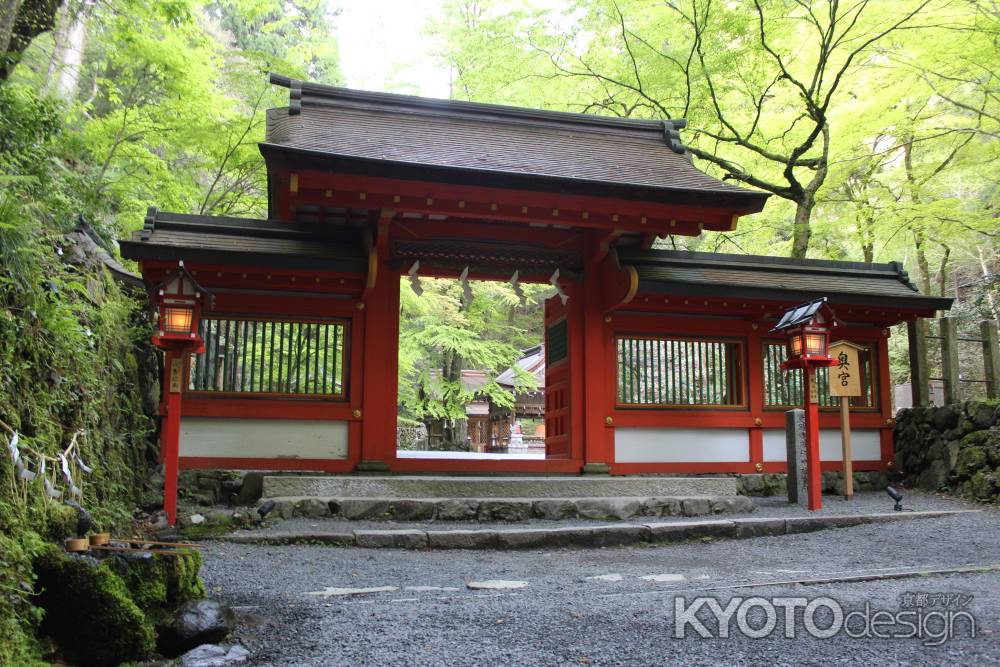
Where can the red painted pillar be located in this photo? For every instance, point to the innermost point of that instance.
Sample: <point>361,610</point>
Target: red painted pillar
<point>812,441</point>
<point>381,359</point>
<point>596,407</point>
<point>170,430</point>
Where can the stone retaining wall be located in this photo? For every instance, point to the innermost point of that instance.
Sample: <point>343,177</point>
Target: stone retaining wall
<point>776,484</point>
<point>953,448</point>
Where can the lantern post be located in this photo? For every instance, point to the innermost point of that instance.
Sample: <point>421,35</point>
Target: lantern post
<point>178,300</point>
<point>807,329</point>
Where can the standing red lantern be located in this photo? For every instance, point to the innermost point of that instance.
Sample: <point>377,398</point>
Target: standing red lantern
<point>807,328</point>
<point>178,301</point>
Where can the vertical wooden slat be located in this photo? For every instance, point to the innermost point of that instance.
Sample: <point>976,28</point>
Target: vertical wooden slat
<point>298,358</point>
<point>242,337</point>
<point>306,358</point>
<point>317,380</point>
<point>672,395</point>
<point>326,356</point>
<point>689,372</point>
<point>647,353</point>
<point>232,352</point>
<point>265,356</point>
<point>279,382</point>
<point>251,342</point>
<point>660,375</point>
<point>717,375</point>
<point>218,377</point>
<point>270,362</point>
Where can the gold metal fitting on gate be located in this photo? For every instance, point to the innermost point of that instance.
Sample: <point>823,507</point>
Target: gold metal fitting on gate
<point>759,467</point>
<point>357,414</point>
<point>609,421</point>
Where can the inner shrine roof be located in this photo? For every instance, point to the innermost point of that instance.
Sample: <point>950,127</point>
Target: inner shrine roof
<point>401,136</point>
<point>777,278</point>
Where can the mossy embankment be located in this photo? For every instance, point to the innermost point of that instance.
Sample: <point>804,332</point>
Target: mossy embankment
<point>73,357</point>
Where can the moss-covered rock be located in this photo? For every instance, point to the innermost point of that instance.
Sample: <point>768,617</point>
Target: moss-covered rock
<point>970,460</point>
<point>983,485</point>
<point>89,610</point>
<point>159,583</point>
<point>60,521</point>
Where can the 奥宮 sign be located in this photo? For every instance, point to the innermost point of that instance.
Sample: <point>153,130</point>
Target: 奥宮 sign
<point>845,381</point>
<point>845,375</point>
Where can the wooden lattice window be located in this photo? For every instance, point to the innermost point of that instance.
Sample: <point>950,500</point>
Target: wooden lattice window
<point>783,389</point>
<point>676,372</point>
<point>556,343</point>
<point>271,357</point>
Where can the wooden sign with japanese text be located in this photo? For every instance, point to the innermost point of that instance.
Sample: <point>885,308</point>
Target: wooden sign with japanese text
<point>845,374</point>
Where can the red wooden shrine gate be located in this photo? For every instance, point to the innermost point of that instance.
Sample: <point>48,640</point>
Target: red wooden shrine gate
<point>658,361</point>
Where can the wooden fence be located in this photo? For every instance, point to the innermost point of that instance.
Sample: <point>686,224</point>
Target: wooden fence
<point>969,364</point>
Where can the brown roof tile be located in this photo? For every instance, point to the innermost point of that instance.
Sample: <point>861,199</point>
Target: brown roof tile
<point>631,155</point>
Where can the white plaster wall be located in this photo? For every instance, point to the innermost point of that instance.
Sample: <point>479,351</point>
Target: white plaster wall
<point>263,438</point>
<point>865,445</point>
<point>681,445</point>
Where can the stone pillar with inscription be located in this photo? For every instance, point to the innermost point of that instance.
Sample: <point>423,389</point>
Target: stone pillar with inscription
<point>796,456</point>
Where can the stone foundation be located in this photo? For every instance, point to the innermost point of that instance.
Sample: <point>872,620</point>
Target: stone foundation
<point>775,484</point>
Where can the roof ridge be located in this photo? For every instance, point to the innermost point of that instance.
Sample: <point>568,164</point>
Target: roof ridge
<point>301,91</point>
<point>778,261</point>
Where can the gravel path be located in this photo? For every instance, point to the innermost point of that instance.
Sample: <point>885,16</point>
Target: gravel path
<point>563,617</point>
<point>775,506</point>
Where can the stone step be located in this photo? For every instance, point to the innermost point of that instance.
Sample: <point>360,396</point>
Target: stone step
<point>588,536</point>
<point>505,509</point>
<point>427,486</point>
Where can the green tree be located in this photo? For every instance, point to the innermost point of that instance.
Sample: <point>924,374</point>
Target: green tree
<point>442,334</point>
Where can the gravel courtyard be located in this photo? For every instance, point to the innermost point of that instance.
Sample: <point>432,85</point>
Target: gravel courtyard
<point>606,606</point>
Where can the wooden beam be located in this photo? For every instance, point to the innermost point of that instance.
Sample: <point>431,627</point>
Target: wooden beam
<point>353,191</point>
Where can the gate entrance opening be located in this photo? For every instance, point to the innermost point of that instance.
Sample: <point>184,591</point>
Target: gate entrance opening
<point>472,369</point>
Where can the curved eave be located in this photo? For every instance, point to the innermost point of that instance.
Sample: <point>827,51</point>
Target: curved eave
<point>142,250</point>
<point>921,305</point>
<point>741,201</point>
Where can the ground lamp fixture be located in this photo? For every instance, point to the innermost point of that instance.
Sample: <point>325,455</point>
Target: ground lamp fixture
<point>807,329</point>
<point>896,496</point>
<point>178,300</point>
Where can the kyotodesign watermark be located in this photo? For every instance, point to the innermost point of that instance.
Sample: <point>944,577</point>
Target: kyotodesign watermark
<point>932,618</point>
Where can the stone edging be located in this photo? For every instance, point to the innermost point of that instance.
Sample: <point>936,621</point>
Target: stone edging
<point>618,534</point>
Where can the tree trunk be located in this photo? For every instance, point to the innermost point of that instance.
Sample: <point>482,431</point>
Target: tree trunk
<point>71,56</point>
<point>8,15</point>
<point>800,227</point>
<point>987,277</point>
<point>26,20</point>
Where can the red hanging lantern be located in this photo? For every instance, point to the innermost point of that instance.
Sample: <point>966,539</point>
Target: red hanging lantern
<point>179,300</point>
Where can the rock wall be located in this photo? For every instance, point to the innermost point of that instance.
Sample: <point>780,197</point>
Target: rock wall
<point>954,448</point>
<point>776,484</point>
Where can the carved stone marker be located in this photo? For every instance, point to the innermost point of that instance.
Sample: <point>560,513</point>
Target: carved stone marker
<point>797,458</point>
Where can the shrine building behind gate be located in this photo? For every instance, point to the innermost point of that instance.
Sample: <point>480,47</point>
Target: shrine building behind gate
<point>656,362</point>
